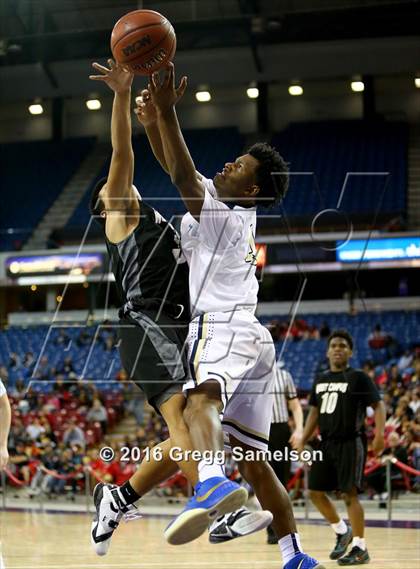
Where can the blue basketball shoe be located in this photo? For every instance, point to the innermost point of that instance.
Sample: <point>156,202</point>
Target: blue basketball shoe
<point>214,497</point>
<point>303,561</point>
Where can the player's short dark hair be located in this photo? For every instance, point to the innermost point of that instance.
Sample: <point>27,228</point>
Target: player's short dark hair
<point>272,188</point>
<point>341,334</point>
<point>96,205</point>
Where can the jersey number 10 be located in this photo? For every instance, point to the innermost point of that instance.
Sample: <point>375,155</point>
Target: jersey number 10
<point>329,402</point>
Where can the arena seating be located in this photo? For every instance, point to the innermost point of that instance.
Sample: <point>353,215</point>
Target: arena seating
<point>302,357</point>
<point>210,149</point>
<point>330,150</point>
<point>32,176</point>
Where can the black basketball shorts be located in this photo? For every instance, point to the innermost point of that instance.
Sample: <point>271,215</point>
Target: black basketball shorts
<point>153,353</point>
<point>342,466</point>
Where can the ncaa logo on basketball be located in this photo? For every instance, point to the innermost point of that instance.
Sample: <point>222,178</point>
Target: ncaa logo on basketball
<point>137,45</point>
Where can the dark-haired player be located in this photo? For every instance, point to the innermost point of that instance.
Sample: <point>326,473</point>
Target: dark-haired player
<point>338,403</point>
<point>231,355</point>
<point>152,282</point>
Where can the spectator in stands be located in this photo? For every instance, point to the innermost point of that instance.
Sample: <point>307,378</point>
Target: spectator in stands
<point>19,389</point>
<point>325,330</point>
<point>20,458</point>
<point>74,435</point>
<point>63,467</point>
<point>84,338</point>
<point>29,362</point>
<point>405,360</point>
<point>84,391</point>
<point>415,378</point>
<point>377,479</point>
<point>67,367</point>
<point>35,429</point>
<point>14,361</point>
<point>43,369</point>
<point>378,339</point>
<point>62,339</point>
<point>415,401</point>
<point>98,413</point>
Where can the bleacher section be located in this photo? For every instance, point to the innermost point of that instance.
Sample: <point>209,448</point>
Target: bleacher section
<point>302,357</point>
<point>330,150</point>
<point>32,176</point>
<point>210,149</point>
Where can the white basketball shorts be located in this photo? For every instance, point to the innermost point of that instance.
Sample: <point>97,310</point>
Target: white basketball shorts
<point>234,349</point>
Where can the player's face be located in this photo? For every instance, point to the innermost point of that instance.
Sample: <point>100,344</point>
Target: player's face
<point>237,179</point>
<point>339,352</point>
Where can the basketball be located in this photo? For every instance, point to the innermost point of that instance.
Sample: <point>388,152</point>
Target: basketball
<point>144,41</point>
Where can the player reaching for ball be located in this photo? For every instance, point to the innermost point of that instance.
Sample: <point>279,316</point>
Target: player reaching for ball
<point>231,355</point>
<point>152,282</point>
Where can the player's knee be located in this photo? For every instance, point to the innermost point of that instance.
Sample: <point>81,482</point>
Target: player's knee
<point>202,401</point>
<point>350,497</point>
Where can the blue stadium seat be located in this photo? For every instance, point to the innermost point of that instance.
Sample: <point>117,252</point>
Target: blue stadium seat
<point>332,149</point>
<point>34,174</point>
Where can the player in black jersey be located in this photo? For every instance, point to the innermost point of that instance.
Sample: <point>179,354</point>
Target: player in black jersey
<point>152,283</point>
<point>338,406</point>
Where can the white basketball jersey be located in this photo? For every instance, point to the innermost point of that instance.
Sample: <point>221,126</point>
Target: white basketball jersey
<point>2,389</point>
<point>221,253</point>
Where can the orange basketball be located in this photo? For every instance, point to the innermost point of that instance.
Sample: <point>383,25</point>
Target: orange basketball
<point>144,41</point>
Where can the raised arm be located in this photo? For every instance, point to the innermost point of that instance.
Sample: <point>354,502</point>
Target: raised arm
<point>147,117</point>
<point>178,158</point>
<point>118,193</point>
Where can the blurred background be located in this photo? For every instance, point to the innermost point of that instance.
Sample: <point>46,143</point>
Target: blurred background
<point>334,85</point>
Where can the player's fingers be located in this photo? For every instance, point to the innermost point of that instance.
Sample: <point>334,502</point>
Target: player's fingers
<point>156,80</point>
<point>182,86</point>
<point>168,76</point>
<point>145,94</point>
<point>97,77</point>
<point>111,63</point>
<point>100,67</point>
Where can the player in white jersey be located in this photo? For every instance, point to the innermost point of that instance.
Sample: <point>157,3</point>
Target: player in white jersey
<point>5,419</point>
<point>232,356</point>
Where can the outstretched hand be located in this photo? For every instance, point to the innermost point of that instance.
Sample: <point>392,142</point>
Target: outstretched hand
<point>163,92</point>
<point>116,76</point>
<point>145,110</point>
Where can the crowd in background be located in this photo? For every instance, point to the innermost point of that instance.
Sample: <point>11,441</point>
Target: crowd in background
<point>40,444</point>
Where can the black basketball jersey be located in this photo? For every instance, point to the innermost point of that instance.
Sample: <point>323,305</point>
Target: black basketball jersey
<point>148,265</point>
<point>341,398</point>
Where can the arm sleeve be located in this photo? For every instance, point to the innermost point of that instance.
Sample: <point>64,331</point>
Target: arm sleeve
<point>220,227</point>
<point>2,389</point>
<point>367,390</point>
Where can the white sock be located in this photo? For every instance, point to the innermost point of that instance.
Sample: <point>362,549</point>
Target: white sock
<point>206,470</point>
<point>359,542</point>
<point>290,546</point>
<point>340,527</point>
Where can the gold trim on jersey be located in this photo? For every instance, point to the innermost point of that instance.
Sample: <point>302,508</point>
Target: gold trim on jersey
<point>200,346</point>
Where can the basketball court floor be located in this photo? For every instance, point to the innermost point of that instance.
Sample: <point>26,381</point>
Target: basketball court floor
<point>52,541</point>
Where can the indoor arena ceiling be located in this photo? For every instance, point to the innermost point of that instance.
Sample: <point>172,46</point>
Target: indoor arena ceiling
<point>38,35</point>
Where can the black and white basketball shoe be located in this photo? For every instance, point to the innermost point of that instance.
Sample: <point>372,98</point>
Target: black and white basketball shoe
<point>238,524</point>
<point>110,509</point>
